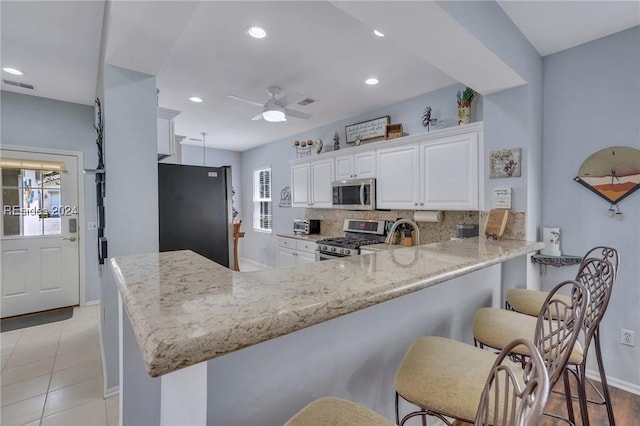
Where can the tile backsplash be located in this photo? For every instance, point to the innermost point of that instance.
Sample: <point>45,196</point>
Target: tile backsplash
<point>430,232</point>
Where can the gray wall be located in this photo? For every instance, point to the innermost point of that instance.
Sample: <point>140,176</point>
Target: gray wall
<point>512,118</point>
<point>591,102</point>
<point>193,155</point>
<point>129,100</point>
<point>31,121</point>
<point>261,247</point>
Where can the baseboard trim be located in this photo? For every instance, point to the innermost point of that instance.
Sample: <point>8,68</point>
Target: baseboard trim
<point>616,383</point>
<point>113,391</point>
<point>262,265</point>
<point>90,302</point>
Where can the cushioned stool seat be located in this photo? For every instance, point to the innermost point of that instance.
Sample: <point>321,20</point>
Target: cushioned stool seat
<point>496,327</point>
<point>337,412</point>
<point>445,376</point>
<point>528,302</point>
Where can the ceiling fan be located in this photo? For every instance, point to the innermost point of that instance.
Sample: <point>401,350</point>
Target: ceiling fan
<point>275,109</point>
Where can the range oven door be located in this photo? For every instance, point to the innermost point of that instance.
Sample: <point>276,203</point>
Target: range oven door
<point>321,255</point>
<point>356,194</point>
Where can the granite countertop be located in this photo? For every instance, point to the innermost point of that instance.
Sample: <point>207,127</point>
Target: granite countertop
<point>185,309</point>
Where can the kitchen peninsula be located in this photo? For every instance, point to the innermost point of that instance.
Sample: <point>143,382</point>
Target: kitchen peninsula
<point>259,345</point>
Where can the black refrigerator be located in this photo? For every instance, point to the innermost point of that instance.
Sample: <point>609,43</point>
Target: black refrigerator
<point>194,204</point>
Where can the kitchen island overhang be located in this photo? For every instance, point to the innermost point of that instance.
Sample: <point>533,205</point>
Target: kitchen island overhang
<point>185,309</point>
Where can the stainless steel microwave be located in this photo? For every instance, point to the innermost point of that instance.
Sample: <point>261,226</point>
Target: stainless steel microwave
<point>354,194</point>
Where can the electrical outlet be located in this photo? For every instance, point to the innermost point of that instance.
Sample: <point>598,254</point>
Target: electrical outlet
<point>627,337</point>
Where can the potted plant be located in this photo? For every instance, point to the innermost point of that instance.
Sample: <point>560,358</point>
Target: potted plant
<point>464,104</point>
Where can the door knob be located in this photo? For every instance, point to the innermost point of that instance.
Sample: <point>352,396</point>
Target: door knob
<point>71,238</point>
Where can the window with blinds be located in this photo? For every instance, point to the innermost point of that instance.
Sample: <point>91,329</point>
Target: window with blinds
<point>262,208</point>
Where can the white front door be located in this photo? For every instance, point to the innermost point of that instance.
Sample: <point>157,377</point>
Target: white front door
<point>39,232</point>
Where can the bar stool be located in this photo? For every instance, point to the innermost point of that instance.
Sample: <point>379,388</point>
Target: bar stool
<point>520,393</point>
<point>495,327</point>
<point>529,302</point>
<point>444,378</point>
<point>337,411</point>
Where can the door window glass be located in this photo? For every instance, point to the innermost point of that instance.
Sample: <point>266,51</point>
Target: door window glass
<point>31,202</point>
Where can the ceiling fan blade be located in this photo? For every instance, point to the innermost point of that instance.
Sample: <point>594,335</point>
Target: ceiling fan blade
<point>297,114</point>
<point>257,117</point>
<point>289,98</point>
<point>249,101</point>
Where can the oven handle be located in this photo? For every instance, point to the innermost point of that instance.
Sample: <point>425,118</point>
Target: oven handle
<point>362,194</point>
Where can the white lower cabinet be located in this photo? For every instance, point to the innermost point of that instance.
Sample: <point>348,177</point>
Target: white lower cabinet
<point>292,251</point>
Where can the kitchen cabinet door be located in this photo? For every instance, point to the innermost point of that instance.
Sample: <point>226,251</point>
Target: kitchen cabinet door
<point>300,185</point>
<point>449,173</point>
<point>286,257</point>
<point>344,167</point>
<point>356,166</point>
<point>303,257</point>
<point>398,177</point>
<point>364,165</point>
<point>166,137</point>
<point>321,179</point>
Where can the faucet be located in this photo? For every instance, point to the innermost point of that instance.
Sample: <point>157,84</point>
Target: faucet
<point>400,222</point>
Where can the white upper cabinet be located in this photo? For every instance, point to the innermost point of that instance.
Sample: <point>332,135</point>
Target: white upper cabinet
<point>301,185</point>
<point>356,166</point>
<point>311,184</point>
<point>398,177</point>
<point>438,170</point>
<point>166,132</point>
<point>449,173</point>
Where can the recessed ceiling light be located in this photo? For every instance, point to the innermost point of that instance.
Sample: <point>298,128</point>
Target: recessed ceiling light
<point>13,71</point>
<point>378,33</point>
<point>371,81</point>
<point>256,32</point>
<point>195,99</point>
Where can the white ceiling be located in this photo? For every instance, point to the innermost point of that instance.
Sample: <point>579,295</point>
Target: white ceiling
<point>323,50</point>
<point>56,44</point>
<point>552,26</point>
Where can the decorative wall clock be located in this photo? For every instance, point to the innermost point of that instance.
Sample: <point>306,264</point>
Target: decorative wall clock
<point>611,173</point>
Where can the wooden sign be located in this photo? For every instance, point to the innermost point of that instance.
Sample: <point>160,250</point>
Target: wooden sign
<point>367,130</point>
<point>496,223</point>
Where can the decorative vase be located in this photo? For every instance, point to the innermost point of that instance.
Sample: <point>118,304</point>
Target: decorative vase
<point>551,239</point>
<point>464,114</point>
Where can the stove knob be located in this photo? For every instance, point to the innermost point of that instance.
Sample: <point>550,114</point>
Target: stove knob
<point>347,252</point>
<point>342,251</point>
<point>333,249</point>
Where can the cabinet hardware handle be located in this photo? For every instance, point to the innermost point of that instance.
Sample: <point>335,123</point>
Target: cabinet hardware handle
<point>422,204</point>
<point>415,204</point>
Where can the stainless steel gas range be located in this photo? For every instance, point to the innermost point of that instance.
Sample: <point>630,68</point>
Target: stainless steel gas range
<point>358,233</point>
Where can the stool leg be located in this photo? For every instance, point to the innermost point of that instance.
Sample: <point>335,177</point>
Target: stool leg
<point>582,393</point>
<point>603,378</point>
<point>567,396</point>
<point>397,412</point>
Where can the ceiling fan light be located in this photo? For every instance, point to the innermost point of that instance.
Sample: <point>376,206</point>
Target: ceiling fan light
<point>13,71</point>
<point>256,32</point>
<point>273,115</point>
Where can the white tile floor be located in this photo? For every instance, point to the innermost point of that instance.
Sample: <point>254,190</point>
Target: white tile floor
<point>247,265</point>
<point>52,374</point>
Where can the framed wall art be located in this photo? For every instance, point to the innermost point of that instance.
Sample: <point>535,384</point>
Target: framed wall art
<point>611,173</point>
<point>369,130</point>
<point>505,163</point>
